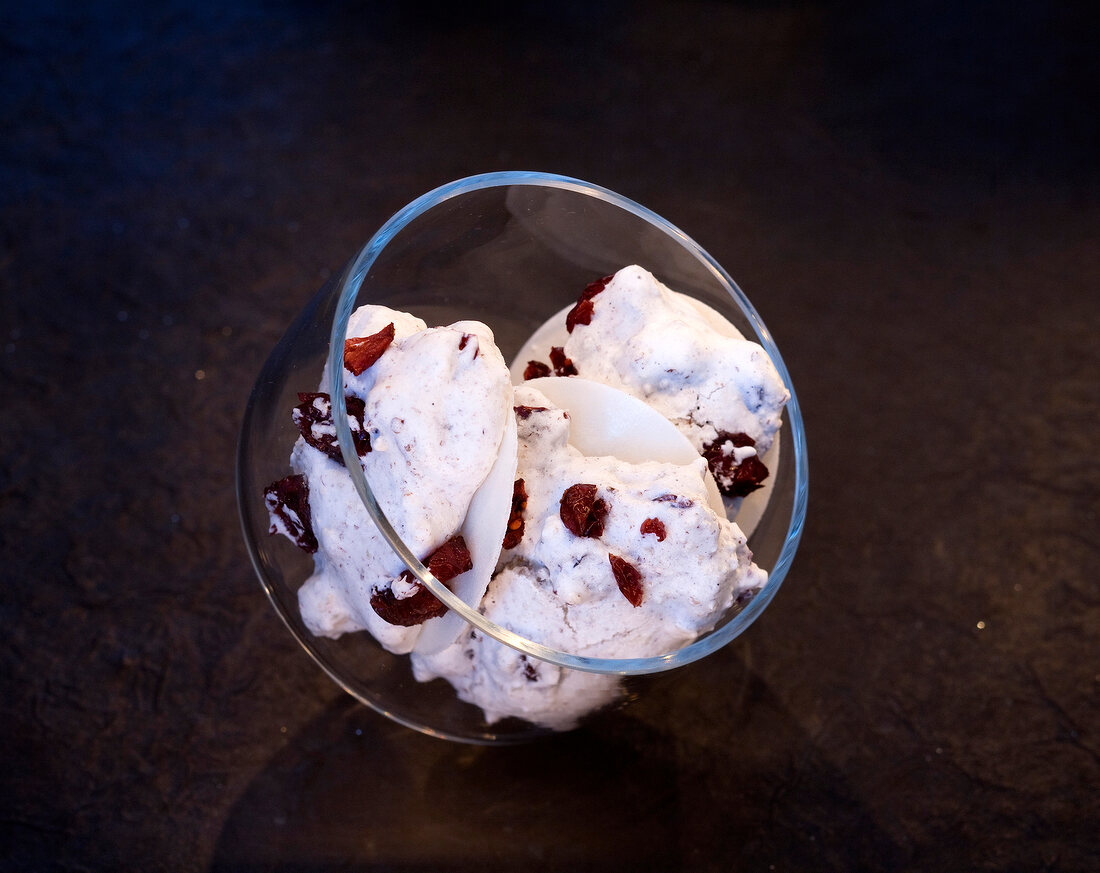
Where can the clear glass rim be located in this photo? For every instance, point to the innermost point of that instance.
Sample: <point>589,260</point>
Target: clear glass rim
<point>349,284</point>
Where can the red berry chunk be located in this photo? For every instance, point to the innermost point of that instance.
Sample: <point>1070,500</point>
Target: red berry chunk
<point>654,526</point>
<point>466,337</point>
<point>524,412</point>
<point>514,533</point>
<point>628,579</point>
<point>360,353</point>
<point>288,505</point>
<point>409,611</point>
<point>734,479</point>
<point>563,366</point>
<point>582,312</point>
<point>445,563</point>
<point>448,560</point>
<point>535,370</point>
<point>579,314</point>
<point>529,671</point>
<point>313,416</point>
<point>581,512</point>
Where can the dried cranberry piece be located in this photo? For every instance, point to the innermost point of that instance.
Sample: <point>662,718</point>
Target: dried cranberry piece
<point>628,579</point>
<point>563,366</point>
<point>582,312</point>
<point>535,370</point>
<point>466,337</point>
<point>734,479</point>
<point>654,526</point>
<point>514,533</point>
<point>750,475</point>
<point>313,416</point>
<point>448,560</point>
<point>579,314</point>
<point>288,502</point>
<point>524,412</point>
<point>445,563</point>
<point>408,611</point>
<point>361,352</point>
<point>529,671</point>
<point>596,286</point>
<point>678,502</point>
<point>581,512</point>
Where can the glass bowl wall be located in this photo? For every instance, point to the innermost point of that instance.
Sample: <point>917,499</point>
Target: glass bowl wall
<point>508,249</point>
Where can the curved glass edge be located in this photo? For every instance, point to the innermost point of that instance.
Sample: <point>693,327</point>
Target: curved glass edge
<point>350,282</point>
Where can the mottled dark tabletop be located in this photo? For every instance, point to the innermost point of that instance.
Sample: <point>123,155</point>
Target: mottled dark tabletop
<point>910,195</point>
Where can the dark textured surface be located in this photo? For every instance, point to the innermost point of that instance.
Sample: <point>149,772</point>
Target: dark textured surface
<point>910,197</point>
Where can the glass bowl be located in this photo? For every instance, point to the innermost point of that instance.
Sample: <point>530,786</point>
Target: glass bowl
<point>510,249</point>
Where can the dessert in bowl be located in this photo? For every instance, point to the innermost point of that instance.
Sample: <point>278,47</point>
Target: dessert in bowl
<point>485,556</point>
